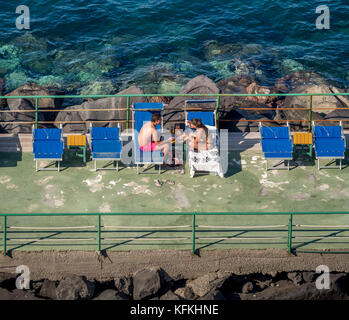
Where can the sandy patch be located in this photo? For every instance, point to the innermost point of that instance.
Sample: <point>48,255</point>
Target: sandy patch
<point>52,197</point>
<point>273,185</point>
<point>181,199</point>
<point>95,183</point>
<point>324,187</point>
<point>113,182</point>
<point>299,196</point>
<point>5,179</point>
<point>11,186</point>
<point>44,180</point>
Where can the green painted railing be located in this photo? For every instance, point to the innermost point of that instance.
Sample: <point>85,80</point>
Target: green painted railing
<point>193,228</point>
<point>217,96</point>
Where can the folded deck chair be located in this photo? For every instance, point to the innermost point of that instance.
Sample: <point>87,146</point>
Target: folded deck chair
<point>204,160</point>
<point>48,146</point>
<point>106,145</point>
<point>142,113</point>
<point>276,144</point>
<point>329,143</point>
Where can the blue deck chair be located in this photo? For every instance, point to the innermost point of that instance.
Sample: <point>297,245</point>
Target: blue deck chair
<point>329,143</point>
<point>47,145</point>
<point>106,145</point>
<point>142,113</point>
<point>277,144</point>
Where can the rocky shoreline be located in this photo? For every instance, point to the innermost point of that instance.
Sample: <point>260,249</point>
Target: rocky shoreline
<point>234,113</point>
<point>154,283</point>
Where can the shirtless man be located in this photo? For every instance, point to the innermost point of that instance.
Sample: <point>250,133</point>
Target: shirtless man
<point>149,140</point>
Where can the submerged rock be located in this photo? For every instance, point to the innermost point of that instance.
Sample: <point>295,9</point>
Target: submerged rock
<point>98,88</point>
<point>297,79</point>
<point>16,79</point>
<point>290,65</point>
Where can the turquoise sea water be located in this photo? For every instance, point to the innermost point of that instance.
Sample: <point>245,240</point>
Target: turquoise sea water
<point>102,46</point>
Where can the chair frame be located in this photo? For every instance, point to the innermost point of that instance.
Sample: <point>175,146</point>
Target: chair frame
<point>282,160</point>
<point>58,160</point>
<point>115,160</point>
<point>340,167</point>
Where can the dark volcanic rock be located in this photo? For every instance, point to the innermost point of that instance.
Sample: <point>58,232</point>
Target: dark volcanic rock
<point>169,295</point>
<point>244,108</point>
<point>75,288</point>
<point>214,294</point>
<point>146,283</point>
<point>7,280</point>
<point>297,79</point>
<point>19,104</point>
<point>295,277</point>
<point>33,89</point>
<point>111,295</point>
<point>199,85</point>
<point>247,287</point>
<point>116,103</point>
<point>341,114</point>
<point>124,285</point>
<point>48,289</point>
<point>17,295</point>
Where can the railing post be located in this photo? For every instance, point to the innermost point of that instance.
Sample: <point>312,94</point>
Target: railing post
<point>193,232</point>
<point>5,235</point>
<point>36,113</point>
<point>217,111</point>
<point>128,111</point>
<point>290,222</point>
<point>310,113</point>
<point>99,233</point>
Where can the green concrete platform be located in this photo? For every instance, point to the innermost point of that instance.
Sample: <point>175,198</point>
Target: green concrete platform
<point>247,187</point>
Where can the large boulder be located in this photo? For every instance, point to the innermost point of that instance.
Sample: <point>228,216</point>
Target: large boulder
<point>308,291</point>
<point>117,103</point>
<point>111,294</point>
<point>199,85</point>
<point>336,116</point>
<point>146,283</point>
<point>124,285</point>
<point>238,109</point>
<point>297,79</point>
<point>321,105</point>
<point>22,117</point>
<point>17,295</point>
<point>33,89</point>
<point>75,288</point>
<point>207,283</point>
<point>48,290</point>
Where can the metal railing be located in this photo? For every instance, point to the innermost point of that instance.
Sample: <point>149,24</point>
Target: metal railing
<point>194,229</point>
<point>127,108</point>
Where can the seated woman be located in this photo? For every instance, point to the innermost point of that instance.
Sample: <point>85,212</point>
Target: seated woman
<point>200,139</point>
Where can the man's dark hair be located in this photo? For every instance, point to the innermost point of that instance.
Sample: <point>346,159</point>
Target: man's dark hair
<point>155,117</point>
